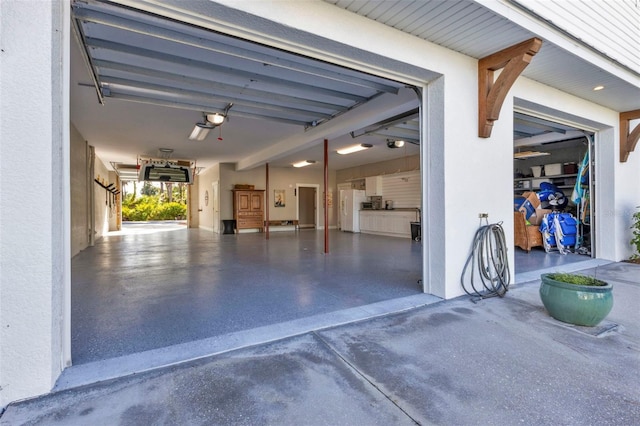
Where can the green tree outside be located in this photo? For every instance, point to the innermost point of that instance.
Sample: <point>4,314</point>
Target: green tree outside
<point>155,204</point>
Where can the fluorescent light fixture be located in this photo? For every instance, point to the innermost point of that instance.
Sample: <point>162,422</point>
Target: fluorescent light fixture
<point>600,87</point>
<point>354,148</point>
<point>200,131</point>
<point>216,118</point>
<point>529,154</point>
<point>304,163</point>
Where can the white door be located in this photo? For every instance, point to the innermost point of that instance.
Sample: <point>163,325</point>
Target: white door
<point>216,206</point>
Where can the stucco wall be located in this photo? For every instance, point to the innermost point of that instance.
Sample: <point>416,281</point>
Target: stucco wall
<point>34,198</point>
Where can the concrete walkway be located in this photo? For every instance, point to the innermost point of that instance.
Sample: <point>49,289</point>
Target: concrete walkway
<point>498,361</point>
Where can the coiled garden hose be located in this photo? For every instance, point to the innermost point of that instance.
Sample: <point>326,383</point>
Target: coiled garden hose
<point>487,260</point>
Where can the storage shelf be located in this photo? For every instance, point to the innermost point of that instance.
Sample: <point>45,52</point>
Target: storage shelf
<point>547,177</point>
<point>550,178</point>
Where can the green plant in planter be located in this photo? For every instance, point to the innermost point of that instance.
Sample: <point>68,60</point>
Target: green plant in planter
<point>576,279</point>
<point>635,241</point>
<point>576,299</point>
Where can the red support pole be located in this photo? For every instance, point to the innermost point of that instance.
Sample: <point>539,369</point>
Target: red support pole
<point>266,202</point>
<point>326,198</point>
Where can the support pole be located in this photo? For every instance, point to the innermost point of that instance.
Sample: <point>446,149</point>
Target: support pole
<point>326,197</point>
<point>266,202</point>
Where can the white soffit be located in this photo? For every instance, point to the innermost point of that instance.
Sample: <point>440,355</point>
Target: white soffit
<point>478,29</point>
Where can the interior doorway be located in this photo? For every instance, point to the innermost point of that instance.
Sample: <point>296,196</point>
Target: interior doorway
<point>307,206</point>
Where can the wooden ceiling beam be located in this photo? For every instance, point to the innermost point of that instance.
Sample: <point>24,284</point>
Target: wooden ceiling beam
<point>491,94</point>
<point>628,137</point>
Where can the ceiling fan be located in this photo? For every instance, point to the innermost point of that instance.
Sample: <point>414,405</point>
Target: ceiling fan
<point>209,121</point>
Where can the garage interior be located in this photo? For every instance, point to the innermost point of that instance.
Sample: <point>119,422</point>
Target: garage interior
<point>141,83</point>
<point>555,162</point>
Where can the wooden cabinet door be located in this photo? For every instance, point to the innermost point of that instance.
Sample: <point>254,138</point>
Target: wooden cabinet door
<point>243,201</point>
<point>256,202</point>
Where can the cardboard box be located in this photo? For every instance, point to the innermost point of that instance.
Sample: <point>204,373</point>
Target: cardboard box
<point>537,216</point>
<point>532,197</point>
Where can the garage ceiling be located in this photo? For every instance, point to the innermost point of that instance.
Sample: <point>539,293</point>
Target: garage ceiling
<point>155,77</point>
<point>173,72</point>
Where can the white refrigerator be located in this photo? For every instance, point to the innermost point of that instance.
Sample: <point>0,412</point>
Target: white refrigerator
<point>350,200</point>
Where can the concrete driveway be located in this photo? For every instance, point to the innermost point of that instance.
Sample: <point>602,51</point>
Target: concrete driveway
<point>498,361</point>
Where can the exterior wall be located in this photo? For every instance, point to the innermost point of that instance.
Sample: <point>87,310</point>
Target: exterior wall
<point>611,27</point>
<point>34,198</point>
<point>79,195</point>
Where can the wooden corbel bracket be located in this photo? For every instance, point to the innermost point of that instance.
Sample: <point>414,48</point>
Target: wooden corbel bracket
<point>628,138</point>
<point>492,94</point>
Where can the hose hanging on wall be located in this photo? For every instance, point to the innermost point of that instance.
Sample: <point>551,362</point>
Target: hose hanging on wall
<point>487,261</point>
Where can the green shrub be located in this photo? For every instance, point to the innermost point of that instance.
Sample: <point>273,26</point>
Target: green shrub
<point>170,211</point>
<point>635,241</point>
<point>149,207</point>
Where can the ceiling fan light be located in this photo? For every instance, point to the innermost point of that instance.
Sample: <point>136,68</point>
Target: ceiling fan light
<point>215,118</point>
<point>354,148</point>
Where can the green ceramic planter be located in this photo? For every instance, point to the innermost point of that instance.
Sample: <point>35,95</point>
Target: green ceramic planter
<point>576,304</point>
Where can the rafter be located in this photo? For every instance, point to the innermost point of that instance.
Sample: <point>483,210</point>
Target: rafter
<point>628,137</point>
<point>491,94</point>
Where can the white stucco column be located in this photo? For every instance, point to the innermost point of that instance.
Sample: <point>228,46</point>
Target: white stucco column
<point>433,200</point>
<point>465,175</point>
<point>34,197</point>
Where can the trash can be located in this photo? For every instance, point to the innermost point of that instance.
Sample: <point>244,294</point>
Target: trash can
<point>229,225</point>
<point>416,231</point>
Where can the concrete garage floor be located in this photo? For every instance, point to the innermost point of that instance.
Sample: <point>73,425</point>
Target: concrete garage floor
<point>499,361</point>
<point>159,285</point>
<point>153,289</point>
